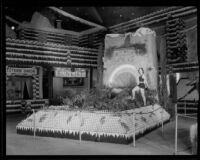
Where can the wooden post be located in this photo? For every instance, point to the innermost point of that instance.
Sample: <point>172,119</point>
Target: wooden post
<point>100,67</point>
<point>91,77</point>
<point>162,121</point>
<point>133,129</point>
<point>50,81</point>
<point>88,78</point>
<point>80,127</point>
<point>34,129</point>
<point>176,129</point>
<point>163,61</point>
<point>185,108</point>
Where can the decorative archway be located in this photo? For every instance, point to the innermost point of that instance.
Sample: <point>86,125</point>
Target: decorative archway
<point>126,68</point>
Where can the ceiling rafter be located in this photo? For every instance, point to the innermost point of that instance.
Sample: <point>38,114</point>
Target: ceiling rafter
<point>89,31</point>
<point>46,29</point>
<point>13,20</point>
<point>64,13</point>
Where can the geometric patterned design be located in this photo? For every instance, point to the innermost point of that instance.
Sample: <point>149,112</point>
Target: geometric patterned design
<point>36,87</point>
<point>51,53</point>
<point>15,106</point>
<point>176,41</point>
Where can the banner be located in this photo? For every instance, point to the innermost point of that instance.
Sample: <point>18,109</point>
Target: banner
<point>20,71</point>
<point>66,72</point>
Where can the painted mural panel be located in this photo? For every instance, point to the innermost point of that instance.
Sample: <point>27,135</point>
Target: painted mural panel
<point>125,54</point>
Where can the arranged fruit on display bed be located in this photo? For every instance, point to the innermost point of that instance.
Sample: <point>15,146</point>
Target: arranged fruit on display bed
<point>96,119</point>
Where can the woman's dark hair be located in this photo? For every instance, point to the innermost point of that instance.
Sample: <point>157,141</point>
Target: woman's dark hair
<point>141,69</point>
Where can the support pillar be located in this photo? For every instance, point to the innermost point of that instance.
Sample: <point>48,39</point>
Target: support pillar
<point>41,82</point>
<point>36,85</point>
<point>163,61</point>
<point>91,78</point>
<point>88,78</point>
<point>100,67</point>
<point>173,93</point>
<point>50,79</point>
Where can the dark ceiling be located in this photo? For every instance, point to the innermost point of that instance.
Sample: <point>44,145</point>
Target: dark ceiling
<point>105,16</point>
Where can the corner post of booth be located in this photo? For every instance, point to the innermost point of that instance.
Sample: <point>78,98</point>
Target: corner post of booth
<point>79,112</point>
<point>133,129</point>
<point>163,70</point>
<point>176,129</point>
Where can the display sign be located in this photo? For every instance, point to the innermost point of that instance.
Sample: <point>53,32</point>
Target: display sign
<point>20,71</point>
<point>66,72</point>
<point>73,82</point>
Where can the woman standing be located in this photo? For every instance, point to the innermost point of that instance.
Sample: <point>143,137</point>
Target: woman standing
<point>141,86</point>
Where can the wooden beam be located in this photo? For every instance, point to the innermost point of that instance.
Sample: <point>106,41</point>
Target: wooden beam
<point>64,13</point>
<point>13,20</point>
<point>89,31</point>
<point>45,29</point>
<point>155,18</point>
<point>143,17</point>
<point>97,15</point>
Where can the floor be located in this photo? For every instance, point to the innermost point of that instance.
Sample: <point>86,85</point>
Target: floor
<point>153,143</point>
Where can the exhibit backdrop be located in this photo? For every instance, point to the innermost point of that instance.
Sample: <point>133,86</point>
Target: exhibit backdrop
<point>125,53</point>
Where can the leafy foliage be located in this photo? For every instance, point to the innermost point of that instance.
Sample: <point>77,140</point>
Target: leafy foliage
<point>107,99</point>
<point>56,101</point>
<point>150,96</point>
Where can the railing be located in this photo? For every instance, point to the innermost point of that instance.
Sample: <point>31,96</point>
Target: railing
<point>185,115</point>
<point>81,115</point>
<point>184,106</point>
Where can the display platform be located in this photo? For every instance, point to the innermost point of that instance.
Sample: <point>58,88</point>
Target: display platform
<point>101,126</point>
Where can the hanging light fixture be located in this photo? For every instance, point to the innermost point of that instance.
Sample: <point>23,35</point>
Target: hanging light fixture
<point>13,27</point>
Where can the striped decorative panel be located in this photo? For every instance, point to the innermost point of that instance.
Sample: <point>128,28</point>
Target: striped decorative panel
<point>176,41</point>
<point>46,36</point>
<point>15,106</point>
<point>93,40</point>
<point>36,87</point>
<point>153,18</point>
<point>37,53</point>
<point>181,67</point>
